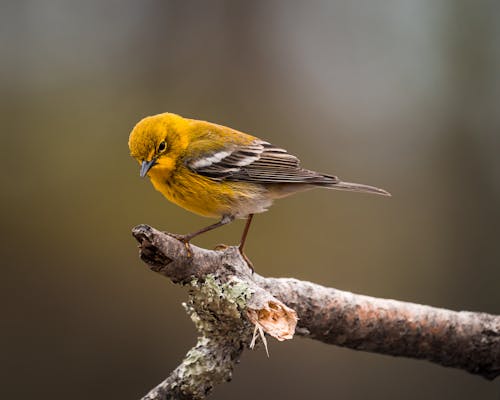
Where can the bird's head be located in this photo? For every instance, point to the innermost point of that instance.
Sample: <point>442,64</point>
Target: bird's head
<point>155,142</point>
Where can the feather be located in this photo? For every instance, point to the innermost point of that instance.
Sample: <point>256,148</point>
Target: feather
<point>257,162</point>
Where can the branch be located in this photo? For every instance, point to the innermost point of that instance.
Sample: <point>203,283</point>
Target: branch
<point>230,306</point>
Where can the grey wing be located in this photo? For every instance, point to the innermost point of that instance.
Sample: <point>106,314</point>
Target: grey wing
<point>258,162</point>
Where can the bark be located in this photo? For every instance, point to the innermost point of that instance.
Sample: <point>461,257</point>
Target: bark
<point>230,307</point>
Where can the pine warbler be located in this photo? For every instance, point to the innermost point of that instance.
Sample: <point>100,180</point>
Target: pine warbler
<point>219,172</point>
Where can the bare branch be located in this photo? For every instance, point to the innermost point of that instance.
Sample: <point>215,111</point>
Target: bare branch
<point>227,303</point>
<point>465,340</point>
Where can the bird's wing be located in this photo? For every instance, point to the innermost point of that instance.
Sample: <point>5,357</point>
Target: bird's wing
<point>258,162</point>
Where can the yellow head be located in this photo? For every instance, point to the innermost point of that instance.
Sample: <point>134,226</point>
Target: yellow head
<point>157,141</point>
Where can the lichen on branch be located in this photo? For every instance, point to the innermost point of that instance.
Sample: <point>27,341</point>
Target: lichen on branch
<point>229,305</point>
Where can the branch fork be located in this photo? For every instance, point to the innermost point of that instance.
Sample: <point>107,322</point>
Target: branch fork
<point>230,306</point>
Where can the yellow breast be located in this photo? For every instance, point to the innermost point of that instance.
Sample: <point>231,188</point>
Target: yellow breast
<point>199,194</point>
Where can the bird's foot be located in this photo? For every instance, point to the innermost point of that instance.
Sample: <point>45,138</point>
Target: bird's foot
<point>184,239</point>
<point>221,247</point>
<point>247,260</point>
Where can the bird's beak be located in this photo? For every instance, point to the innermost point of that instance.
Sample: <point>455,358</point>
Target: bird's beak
<point>146,166</point>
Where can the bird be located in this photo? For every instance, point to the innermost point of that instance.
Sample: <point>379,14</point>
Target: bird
<point>219,172</point>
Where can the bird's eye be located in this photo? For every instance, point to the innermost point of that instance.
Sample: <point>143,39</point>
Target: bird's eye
<point>162,147</point>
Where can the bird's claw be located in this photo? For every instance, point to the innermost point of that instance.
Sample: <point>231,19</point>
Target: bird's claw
<point>247,260</point>
<point>184,239</point>
<point>189,251</point>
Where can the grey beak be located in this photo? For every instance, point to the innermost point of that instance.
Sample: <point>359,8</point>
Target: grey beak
<point>146,166</point>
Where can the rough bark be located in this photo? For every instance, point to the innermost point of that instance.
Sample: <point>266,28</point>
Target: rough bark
<point>230,306</point>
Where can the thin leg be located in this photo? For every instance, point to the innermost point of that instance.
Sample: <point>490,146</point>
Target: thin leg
<point>245,232</point>
<point>226,219</point>
<point>243,239</point>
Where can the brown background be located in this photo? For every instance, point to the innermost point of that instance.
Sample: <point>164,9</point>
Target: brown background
<point>400,94</point>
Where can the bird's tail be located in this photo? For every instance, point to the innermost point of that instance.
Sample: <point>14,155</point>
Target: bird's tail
<point>356,187</point>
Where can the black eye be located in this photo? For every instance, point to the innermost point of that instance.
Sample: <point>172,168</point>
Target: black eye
<point>162,146</point>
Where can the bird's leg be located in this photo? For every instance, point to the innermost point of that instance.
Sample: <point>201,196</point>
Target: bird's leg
<point>243,239</point>
<point>226,219</point>
<point>245,232</point>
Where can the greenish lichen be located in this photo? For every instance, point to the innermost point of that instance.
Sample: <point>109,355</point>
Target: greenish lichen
<point>215,307</point>
<point>214,304</point>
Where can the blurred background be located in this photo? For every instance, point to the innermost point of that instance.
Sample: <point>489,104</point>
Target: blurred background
<point>403,95</point>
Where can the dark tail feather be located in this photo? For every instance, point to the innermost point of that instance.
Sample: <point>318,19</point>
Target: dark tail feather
<point>356,187</point>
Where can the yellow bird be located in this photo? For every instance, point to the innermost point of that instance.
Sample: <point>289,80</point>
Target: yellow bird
<point>219,172</point>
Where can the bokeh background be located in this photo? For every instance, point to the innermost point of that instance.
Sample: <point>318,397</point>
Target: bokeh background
<point>404,95</point>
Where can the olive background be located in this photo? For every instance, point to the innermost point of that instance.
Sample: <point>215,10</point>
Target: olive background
<point>403,95</point>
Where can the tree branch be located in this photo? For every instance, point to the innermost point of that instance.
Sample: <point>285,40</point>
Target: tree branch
<point>230,306</point>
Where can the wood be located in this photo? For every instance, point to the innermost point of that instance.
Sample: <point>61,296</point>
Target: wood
<point>229,305</point>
